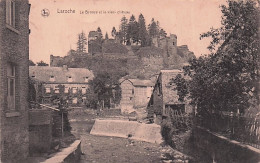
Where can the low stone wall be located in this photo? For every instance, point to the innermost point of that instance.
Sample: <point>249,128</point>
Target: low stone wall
<point>127,129</point>
<point>67,155</point>
<point>214,147</point>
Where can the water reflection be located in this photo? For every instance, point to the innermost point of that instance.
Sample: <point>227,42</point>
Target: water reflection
<point>207,148</point>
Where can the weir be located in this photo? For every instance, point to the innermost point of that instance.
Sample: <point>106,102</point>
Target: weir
<point>127,129</point>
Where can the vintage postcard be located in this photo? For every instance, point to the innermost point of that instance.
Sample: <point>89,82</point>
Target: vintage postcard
<point>130,81</point>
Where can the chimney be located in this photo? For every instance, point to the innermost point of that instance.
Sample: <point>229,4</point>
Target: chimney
<point>65,68</point>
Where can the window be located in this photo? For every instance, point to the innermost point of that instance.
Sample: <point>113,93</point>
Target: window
<point>66,90</point>
<point>10,12</point>
<point>86,79</point>
<point>10,86</point>
<point>47,90</point>
<point>74,100</point>
<point>56,89</point>
<point>74,90</point>
<point>84,99</point>
<point>133,91</point>
<point>69,79</point>
<point>52,78</point>
<point>83,90</point>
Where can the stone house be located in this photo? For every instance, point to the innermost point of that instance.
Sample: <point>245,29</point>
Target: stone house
<point>164,99</point>
<point>74,80</point>
<point>14,57</point>
<point>135,93</point>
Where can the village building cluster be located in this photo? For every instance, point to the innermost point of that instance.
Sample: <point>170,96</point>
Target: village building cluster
<point>153,93</point>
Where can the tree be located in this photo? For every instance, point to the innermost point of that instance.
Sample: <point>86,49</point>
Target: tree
<point>106,36</point>
<point>100,32</point>
<point>143,35</point>
<point>103,85</point>
<point>71,52</point>
<point>158,26</point>
<point>132,30</point>
<point>82,42</point>
<point>61,100</point>
<point>224,79</point>
<point>123,30</point>
<point>113,32</point>
<point>91,98</point>
<point>162,33</point>
<point>153,28</point>
<point>31,63</point>
<point>41,63</point>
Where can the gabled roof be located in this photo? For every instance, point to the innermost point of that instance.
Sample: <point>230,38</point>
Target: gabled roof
<point>139,82</point>
<point>61,74</point>
<point>169,95</point>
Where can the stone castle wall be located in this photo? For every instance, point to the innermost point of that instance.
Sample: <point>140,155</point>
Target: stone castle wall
<point>55,60</point>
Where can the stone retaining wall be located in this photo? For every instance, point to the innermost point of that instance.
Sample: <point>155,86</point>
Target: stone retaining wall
<point>127,129</point>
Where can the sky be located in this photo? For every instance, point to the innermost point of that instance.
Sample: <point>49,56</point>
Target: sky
<point>57,33</point>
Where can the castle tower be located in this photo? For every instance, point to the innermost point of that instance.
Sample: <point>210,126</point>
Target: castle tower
<point>155,42</point>
<point>172,45</point>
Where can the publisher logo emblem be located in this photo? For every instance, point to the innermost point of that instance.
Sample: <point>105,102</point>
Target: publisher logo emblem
<point>45,12</point>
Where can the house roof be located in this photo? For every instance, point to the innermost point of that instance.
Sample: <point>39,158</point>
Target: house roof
<point>61,74</point>
<point>139,82</point>
<point>171,71</point>
<point>169,95</point>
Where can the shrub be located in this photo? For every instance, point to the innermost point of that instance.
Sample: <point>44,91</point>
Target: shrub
<point>171,127</point>
<point>167,132</point>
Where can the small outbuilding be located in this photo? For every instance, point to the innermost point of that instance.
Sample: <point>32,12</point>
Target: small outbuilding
<point>136,93</point>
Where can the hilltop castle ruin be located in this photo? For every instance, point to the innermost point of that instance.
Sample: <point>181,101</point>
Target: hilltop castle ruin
<point>162,54</point>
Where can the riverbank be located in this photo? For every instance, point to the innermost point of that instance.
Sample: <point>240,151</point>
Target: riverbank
<point>208,146</point>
